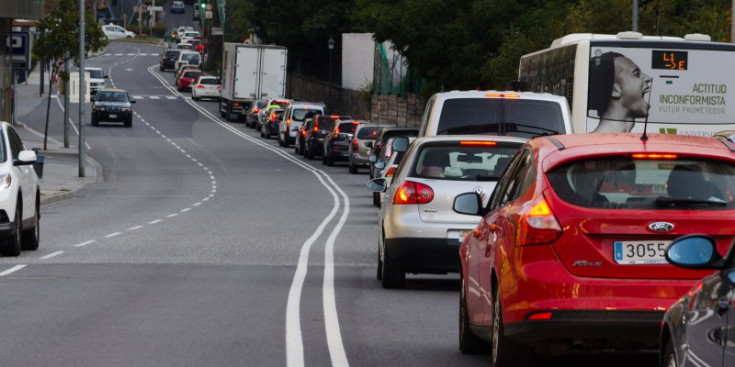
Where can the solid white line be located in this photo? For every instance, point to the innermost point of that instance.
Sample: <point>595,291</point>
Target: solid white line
<point>84,243</point>
<point>12,270</point>
<point>113,234</point>
<point>57,253</point>
<point>155,221</point>
<point>172,215</point>
<point>135,228</point>
<point>185,210</point>
<point>294,340</point>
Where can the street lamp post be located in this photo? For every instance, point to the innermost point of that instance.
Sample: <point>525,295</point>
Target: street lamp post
<point>330,44</point>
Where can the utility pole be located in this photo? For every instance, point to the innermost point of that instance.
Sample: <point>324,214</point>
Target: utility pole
<point>82,85</point>
<point>140,17</point>
<point>67,59</point>
<point>732,27</point>
<point>635,15</point>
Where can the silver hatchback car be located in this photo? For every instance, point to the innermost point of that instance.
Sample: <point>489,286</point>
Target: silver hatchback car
<point>419,232</point>
<point>362,142</point>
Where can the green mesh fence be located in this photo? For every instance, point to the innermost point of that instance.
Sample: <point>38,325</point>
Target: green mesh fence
<point>391,73</point>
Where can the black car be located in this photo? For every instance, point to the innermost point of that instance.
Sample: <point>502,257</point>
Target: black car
<point>337,141</point>
<point>113,105</point>
<point>271,124</point>
<point>168,59</point>
<point>314,138</point>
<point>699,328</point>
<point>251,119</point>
<point>385,134</point>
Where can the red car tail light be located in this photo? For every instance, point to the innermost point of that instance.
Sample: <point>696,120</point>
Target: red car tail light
<point>655,156</point>
<point>391,172</point>
<point>538,225</point>
<point>303,132</point>
<point>288,122</point>
<point>478,143</point>
<point>502,95</point>
<point>237,104</point>
<point>355,145</point>
<point>200,86</point>
<point>316,128</point>
<point>413,193</point>
<point>219,87</point>
<point>540,316</point>
<point>256,110</point>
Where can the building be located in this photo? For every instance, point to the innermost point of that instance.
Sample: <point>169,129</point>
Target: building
<point>9,10</point>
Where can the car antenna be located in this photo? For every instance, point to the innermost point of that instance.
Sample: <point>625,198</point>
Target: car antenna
<point>644,137</point>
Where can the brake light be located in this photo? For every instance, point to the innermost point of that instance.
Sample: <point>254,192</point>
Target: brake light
<point>336,131</point>
<point>316,128</point>
<point>237,104</point>
<point>219,87</point>
<point>355,145</point>
<point>655,156</point>
<point>502,95</point>
<point>288,122</point>
<point>413,193</point>
<point>200,86</point>
<point>478,143</point>
<point>256,110</point>
<point>303,132</point>
<point>273,117</point>
<point>333,116</point>
<point>537,225</point>
<point>391,172</point>
<point>540,316</point>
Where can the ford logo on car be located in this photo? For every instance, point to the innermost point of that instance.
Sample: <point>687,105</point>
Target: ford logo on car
<point>661,227</point>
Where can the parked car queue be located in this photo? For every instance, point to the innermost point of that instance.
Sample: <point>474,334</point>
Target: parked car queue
<point>562,242</point>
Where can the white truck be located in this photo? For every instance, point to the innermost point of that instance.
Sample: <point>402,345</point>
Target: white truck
<point>250,72</point>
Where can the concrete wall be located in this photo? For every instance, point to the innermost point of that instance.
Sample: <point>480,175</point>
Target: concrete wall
<point>358,54</point>
<point>28,9</point>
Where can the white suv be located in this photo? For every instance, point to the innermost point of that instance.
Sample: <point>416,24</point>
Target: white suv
<point>522,114</point>
<point>20,195</point>
<point>295,115</point>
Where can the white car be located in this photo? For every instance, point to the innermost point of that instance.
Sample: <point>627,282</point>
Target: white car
<point>206,87</point>
<point>188,58</point>
<point>96,79</point>
<point>188,36</point>
<point>20,195</point>
<point>113,31</point>
<point>419,231</point>
<point>295,115</point>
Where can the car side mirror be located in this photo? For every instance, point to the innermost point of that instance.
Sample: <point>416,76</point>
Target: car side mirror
<point>373,158</point>
<point>400,144</point>
<point>469,203</point>
<point>377,185</point>
<point>132,101</point>
<point>695,251</point>
<point>25,157</point>
<point>107,76</point>
<point>379,165</point>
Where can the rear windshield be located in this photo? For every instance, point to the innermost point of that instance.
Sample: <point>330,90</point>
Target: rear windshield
<point>172,54</point>
<point>303,114</point>
<point>190,57</point>
<point>626,183</point>
<point>463,163</point>
<point>97,74</point>
<point>192,74</point>
<point>208,81</point>
<point>324,123</point>
<point>369,132</point>
<point>347,127</point>
<point>515,117</point>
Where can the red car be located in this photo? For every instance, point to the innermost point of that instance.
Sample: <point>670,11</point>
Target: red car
<point>570,252</point>
<point>187,79</point>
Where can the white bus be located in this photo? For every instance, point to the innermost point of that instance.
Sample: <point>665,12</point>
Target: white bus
<point>614,83</point>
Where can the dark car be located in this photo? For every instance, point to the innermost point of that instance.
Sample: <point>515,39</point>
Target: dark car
<point>314,138</point>
<point>251,118</point>
<point>699,328</point>
<point>168,59</point>
<point>337,141</point>
<point>271,124</point>
<point>177,7</point>
<point>112,105</point>
<point>377,148</point>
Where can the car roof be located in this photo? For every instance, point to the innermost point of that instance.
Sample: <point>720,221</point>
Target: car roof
<point>561,148</point>
<point>459,138</point>
<point>496,94</point>
<point>112,90</point>
<point>91,68</point>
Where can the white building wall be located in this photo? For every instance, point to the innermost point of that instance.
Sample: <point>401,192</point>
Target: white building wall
<point>358,54</point>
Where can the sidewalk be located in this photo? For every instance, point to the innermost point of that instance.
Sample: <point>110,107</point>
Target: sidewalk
<point>60,175</point>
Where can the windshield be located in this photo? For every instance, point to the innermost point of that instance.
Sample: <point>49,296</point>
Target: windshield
<point>369,132</point>
<point>190,57</point>
<point>303,114</point>
<point>97,74</point>
<point>515,117</point>
<point>111,97</point>
<point>347,127</point>
<point>626,183</point>
<point>211,81</point>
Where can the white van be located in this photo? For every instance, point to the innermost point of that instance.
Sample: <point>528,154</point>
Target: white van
<point>188,57</point>
<point>511,113</point>
<point>295,115</point>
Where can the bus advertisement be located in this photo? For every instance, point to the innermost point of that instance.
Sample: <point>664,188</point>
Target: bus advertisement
<point>616,83</point>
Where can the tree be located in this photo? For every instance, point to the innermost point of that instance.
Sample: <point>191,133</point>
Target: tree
<point>60,42</point>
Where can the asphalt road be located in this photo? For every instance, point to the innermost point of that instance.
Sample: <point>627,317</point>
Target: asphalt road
<point>208,246</point>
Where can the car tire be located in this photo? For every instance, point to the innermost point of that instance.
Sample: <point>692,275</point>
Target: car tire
<point>504,352</point>
<point>31,237</point>
<point>469,343</point>
<point>12,243</point>
<point>160,68</point>
<point>308,154</point>
<point>670,356</point>
<point>95,122</point>
<point>286,142</point>
<point>376,200</point>
<point>379,275</point>
<point>352,168</point>
<point>329,161</point>
<point>261,134</point>
<point>394,277</point>
<point>129,122</point>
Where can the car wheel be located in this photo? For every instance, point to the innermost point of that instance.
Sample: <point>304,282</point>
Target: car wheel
<point>286,143</point>
<point>393,274</point>
<point>469,343</point>
<point>129,122</point>
<point>12,242</point>
<point>308,154</point>
<point>505,353</point>
<point>670,356</point>
<point>95,122</point>
<point>352,168</point>
<point>329,161</point>
<point>31,237</point>
<point>261,134</point>
<point>160,68</point>
<point>379,275</point>
<point>376,199</point>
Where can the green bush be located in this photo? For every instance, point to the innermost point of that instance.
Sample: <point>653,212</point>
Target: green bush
<point>158,30</point>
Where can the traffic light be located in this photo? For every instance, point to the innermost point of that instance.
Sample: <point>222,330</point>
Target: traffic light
<point>202,5</point>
